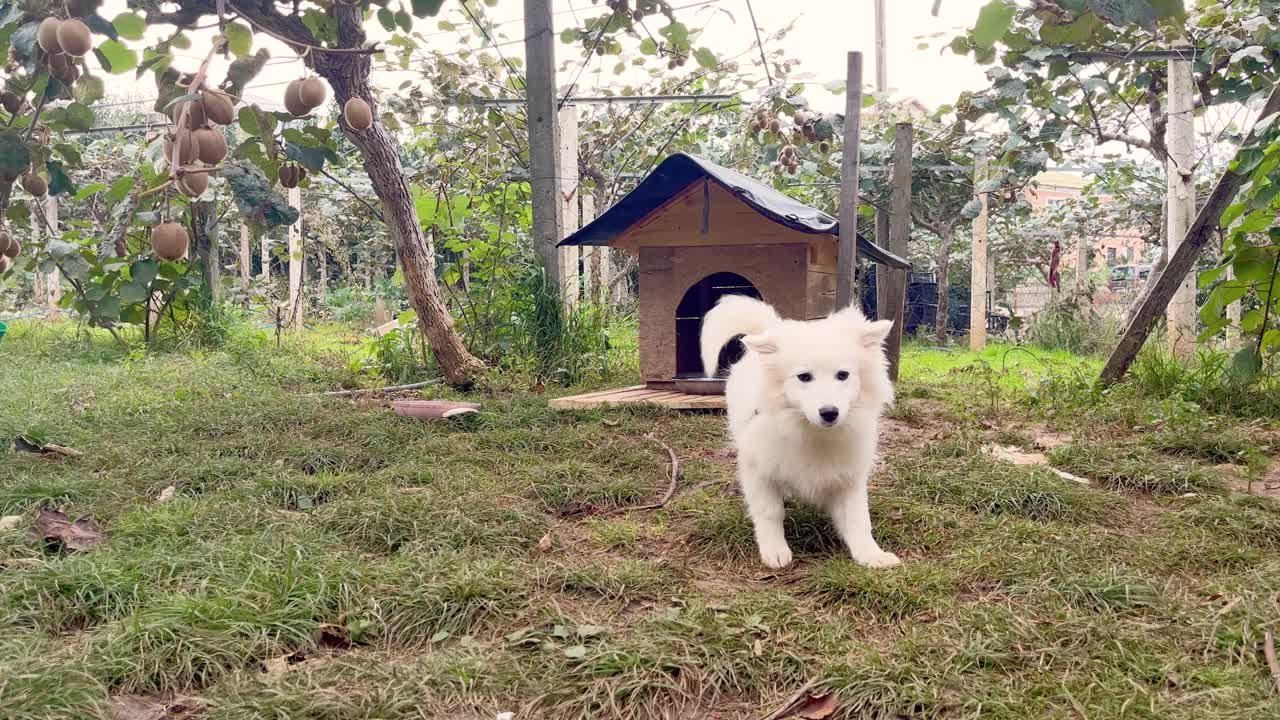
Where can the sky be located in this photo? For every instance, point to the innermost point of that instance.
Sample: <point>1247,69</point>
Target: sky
<point>824,31</point>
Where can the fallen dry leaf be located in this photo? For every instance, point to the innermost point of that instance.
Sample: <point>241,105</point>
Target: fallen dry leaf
<point>544,545</point>
<point>814,707</point>
<point>56,529</point>
<point>47,450</point>
<point>276,667</point>
<point>334,636</point>
<point>9,522</point>
<point>166,494</point>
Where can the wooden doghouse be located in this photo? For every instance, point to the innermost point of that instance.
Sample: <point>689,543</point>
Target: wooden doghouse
<point>703,231</point>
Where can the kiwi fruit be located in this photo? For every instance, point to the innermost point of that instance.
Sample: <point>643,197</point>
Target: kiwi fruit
<point>357,114</point>
<point>211,146</point>
<point>47,35</point>
<point>11,102</point>
<point>190,150</point>
<point>800,117</point>
<point>74,37</point>
<point>290,176</point>
<point>775,126</point>
<point>169,241</point>
<point>312,92</point>
<point>193,184</point>
<point>292,102</point>
<point>5,240</point>
<point>219,108</point>
<point>5,264</point>
<point>63,68</point>
<point>14,248</point>
<point>35,185</point>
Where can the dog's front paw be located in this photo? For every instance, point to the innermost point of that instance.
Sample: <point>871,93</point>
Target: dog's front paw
<point>775,555</point>
<point>877,559</point>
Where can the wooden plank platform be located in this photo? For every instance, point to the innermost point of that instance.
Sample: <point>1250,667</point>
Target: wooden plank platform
<point>639,395</point>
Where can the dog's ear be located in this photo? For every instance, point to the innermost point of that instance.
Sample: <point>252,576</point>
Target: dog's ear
<point>874,333</point>
<point>762,343</point>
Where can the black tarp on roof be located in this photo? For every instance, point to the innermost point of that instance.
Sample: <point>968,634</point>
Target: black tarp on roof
<point>677,171</point>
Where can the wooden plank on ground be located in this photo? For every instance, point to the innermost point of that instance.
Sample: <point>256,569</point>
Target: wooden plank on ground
<point>639,396</point>
<point>433,409</point>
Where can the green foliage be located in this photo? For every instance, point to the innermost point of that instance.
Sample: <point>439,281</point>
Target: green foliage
<point>256,197</point>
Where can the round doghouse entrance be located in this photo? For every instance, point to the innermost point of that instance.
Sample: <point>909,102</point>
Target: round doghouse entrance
<point>695,304</point>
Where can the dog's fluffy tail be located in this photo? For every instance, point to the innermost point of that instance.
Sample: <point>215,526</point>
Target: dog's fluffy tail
<point>733,316</point>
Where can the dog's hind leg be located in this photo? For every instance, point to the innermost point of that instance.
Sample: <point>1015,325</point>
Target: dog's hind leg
<point>764,505</point>
<point>853,521</point>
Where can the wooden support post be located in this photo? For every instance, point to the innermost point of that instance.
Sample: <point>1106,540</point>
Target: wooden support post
<point>1180,261</point>
<point>1082,262</point>
<point>567,193</point>
<point>1234,334</point>
<point>978,269</point>
<point>48,286</point>
<point>899,231</point>
<point>847,252</point>
<point>296,261</point>
<point>882,271</point>
<point>1180,139</point>
<point>544,156</point>
<point>882,62</point>
<point>322,256</point>
<point>246,260</point>
<point>595,259</point>
<point>882,216</point>
<point>206,231</point>
<point>265,256</point>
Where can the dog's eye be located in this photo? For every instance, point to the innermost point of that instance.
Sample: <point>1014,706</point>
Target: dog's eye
<point>842,375</point>
<point>805,377</point>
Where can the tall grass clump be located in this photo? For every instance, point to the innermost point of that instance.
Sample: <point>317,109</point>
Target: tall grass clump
<point>1069,322</point>
<point>1209,382</point>
<point>556,343</point>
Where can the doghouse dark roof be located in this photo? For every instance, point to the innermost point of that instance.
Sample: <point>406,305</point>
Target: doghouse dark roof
<point>674,175</point>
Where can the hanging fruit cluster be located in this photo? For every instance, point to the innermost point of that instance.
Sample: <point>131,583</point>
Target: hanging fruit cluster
<point>9,249</point>
<point>303,96</point>
<point>291,175</point>
<point>809,129</point>
<point>195,148</point>
<point>62,41</point>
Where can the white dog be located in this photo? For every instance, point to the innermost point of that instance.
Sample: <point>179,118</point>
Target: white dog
<point>804,409</point>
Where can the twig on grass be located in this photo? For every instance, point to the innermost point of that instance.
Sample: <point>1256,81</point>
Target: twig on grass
<point>671,489</point>
<point>392,388</point>
<point>1269,651</point>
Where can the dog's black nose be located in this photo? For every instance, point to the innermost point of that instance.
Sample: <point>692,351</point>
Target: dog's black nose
<point>828,414</point>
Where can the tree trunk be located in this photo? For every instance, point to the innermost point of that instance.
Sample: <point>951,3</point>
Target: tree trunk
<point>943,261</point>
<point>203,217</point>
<point>348,74</point>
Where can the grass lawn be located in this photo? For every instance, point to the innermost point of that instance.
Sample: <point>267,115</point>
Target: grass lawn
<point>324,558</point>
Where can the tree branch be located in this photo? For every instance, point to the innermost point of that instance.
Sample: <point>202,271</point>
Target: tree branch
<point>376,212</point>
